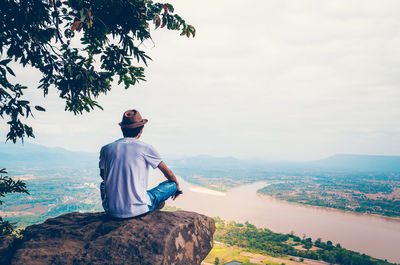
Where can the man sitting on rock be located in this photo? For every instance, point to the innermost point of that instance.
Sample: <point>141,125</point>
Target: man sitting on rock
<point>124,168</point>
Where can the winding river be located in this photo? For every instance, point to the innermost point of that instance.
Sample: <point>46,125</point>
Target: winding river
<point>374,235</point>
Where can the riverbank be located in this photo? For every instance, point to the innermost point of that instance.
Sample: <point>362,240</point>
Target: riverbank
<point>361,194</point>
<point>389,218</point>
<point>252,245</point>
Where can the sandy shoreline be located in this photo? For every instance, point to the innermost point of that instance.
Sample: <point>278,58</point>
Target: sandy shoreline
<point>206,191</point>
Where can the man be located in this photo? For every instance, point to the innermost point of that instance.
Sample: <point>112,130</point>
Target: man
<point>124,168</point>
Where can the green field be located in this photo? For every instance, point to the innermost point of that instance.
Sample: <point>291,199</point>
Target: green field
<point>226,253</point>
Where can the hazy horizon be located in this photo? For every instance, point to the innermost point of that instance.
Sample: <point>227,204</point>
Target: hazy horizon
<point>283,80</point>
<point>176,156</point>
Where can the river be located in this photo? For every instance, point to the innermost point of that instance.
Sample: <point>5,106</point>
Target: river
<point>373,235</point>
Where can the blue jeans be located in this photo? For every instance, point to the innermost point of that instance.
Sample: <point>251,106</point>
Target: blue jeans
<point>157,195</point>
<point>161,193</point>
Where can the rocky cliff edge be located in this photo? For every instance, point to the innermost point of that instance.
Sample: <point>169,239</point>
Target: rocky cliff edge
<point>160,237</point>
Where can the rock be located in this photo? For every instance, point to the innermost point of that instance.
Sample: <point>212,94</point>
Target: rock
<point>7,246</point>
<point>160,237</point>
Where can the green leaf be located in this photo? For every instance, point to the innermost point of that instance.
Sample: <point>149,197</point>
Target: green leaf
<point>10,70</point>
<point>192,30</point>
<point>5,62</point>
<point>23,102</point>
<point>39,108</point>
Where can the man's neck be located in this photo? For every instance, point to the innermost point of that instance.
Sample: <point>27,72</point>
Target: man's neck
<point>136,138</point>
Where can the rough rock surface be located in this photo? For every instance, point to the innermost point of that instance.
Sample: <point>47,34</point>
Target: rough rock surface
<point>179,237</point>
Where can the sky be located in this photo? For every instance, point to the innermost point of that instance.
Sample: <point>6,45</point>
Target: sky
<point>291,80</point>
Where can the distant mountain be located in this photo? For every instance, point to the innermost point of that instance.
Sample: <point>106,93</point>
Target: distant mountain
<point>340,163</point>
<point>33,155</point>
<point>205,162</point>
<point>358,163</point>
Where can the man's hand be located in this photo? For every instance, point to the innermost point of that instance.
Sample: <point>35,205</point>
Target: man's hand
<point>177,193</point>
<point>170,176</point>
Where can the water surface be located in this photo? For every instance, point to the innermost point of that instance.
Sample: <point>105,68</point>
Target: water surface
<point>374,235</point>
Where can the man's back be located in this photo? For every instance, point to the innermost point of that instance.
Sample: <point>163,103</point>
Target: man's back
<point>126,163</point>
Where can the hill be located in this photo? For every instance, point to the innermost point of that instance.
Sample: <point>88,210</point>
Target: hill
<point>15,155</point>
<point>358,163</point>
<point>32,155</point>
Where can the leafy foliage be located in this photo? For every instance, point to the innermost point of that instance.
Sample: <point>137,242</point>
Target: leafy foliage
<point>79,46</point>
<point>8,185</point>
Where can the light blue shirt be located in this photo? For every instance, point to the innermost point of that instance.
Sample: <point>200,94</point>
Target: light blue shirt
<point>126,166</point>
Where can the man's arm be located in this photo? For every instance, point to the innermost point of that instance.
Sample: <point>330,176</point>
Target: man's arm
<point>101,164</point>
<point>168,174</point>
